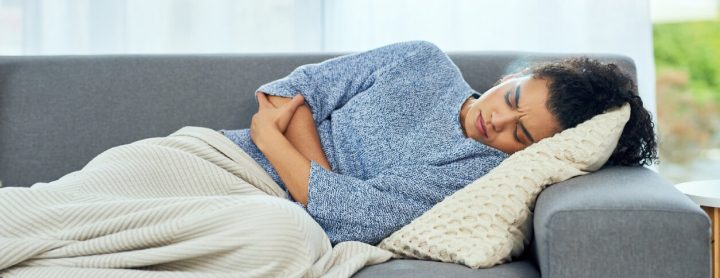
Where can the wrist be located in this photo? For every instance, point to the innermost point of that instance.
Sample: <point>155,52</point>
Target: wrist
<point>269,138</point>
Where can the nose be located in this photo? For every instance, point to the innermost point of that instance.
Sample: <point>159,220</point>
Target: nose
<point>503,120</point>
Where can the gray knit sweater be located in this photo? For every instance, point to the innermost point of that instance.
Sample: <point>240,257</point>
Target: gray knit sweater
<point>388,121</point>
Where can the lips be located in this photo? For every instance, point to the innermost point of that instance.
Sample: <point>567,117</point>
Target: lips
<point>480,125</point>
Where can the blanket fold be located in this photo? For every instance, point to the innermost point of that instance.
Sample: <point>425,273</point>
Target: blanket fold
<point>191,204</point>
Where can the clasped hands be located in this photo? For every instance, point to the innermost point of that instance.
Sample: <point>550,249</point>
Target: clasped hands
<point>270,122</point>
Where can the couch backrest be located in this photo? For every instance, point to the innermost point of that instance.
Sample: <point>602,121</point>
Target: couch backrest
<point>58,112</point>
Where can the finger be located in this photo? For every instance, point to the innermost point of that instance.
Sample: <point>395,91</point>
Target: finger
<point>299,100</point>
<point>294,104</point>
<point>262,100</point>
<point>289,109</point>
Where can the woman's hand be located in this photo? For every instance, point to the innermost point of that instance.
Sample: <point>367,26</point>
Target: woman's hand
<point>272,121</point>
<point>302,131</point>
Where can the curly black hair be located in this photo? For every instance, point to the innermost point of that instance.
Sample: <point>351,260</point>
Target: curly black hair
<point>581,88</point>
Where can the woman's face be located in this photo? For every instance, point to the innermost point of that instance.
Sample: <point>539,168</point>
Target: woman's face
<point>513,115</point>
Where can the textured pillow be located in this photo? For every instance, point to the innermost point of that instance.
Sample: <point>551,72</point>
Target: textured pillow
<point>488,222</point>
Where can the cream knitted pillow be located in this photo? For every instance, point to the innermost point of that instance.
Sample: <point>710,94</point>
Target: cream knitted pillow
<point>488,222</point>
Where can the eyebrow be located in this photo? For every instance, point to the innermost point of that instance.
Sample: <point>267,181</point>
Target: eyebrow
<point>517,100</point>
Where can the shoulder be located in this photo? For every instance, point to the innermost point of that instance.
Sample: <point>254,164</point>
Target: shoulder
<point>425,45</point>
<point>412,48</point>
<point>420,55</point>
<point>421,47</point>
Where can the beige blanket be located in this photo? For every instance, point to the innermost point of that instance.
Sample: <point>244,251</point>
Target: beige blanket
<point>191,204</point>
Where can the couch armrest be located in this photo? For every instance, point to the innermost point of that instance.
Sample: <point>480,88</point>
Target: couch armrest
<point>619,222</point>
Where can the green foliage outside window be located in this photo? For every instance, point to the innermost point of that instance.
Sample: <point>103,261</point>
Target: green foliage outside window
<point>687,60</point>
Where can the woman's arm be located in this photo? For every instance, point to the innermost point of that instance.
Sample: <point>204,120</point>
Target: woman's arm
<point>292,167</point>
<point>266,131</point>
<point>302,132</point>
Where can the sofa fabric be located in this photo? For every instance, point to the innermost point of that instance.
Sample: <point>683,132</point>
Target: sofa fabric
<point>621,222</point>
<point>58,112</point>
<point>417,268</point>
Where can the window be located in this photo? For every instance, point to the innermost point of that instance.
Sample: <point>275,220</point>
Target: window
<point>687,61</point>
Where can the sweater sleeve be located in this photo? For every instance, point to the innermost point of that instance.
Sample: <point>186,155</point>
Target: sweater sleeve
<point>328,85</point>
<point>351,209</point>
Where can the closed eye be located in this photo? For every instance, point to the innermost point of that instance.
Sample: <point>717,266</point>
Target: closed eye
<point>528,136</point>
<point>507,98</point>
<point>507,101</point>
<point>516,137</point>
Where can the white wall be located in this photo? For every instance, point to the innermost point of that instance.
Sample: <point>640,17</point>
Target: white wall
<point>40,27</point>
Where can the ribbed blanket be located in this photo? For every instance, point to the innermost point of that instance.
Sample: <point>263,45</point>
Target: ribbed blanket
<point>191,204</point>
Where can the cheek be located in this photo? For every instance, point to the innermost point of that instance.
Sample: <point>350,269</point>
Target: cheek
<point>496,98</point>
<point>506,143</point>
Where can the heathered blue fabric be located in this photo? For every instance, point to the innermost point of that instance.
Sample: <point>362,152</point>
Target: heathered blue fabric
<point>388,121</point>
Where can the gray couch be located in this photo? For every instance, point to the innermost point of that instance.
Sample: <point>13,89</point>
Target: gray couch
<point>58,112</point>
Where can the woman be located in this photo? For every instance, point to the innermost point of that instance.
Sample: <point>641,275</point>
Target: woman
<point>388,133</point>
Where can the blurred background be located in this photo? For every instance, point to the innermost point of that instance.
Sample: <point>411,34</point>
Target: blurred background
<point>675,43</point>
<point>686,43</point>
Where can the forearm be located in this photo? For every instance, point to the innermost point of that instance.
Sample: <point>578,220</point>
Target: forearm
<point>292,167</point>
<point>302,133</point>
